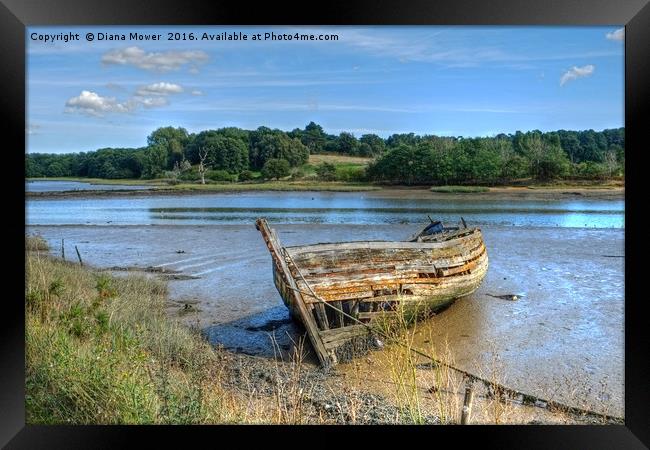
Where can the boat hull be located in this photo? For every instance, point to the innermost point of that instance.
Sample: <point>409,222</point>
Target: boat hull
<point>338,289</point>
<point>381,276</point>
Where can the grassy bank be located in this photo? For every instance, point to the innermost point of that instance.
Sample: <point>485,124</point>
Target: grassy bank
<point>100,350</point>
<point>274,186</point>
<point>313,184</point>
<point>105,350</point>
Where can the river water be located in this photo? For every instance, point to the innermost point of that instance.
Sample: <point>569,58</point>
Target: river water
<point>564,258</point>
<point>60,186</point>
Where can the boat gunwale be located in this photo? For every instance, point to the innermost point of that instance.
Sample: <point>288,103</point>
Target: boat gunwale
<point>323,246</point>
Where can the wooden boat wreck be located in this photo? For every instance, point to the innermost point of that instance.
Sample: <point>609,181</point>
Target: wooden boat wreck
<point>337,290</point>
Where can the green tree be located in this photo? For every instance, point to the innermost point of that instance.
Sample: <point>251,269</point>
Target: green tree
<point>313,137</point>
<point>155,161</point>
<point>274,144</point>
<point>226,153</point>
<point>275,169</point>
<point>547,161</point>
<point>372,145</point>
<point>347,144</point>
<point>173,140</point>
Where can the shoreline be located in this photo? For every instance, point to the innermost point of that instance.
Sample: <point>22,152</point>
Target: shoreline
<point>558,192</point>
<point>345,395</point>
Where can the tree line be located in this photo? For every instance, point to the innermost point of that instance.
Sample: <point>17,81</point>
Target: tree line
<point>233,154</point>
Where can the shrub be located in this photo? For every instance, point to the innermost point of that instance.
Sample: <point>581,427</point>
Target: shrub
<point>298,174</point>
<point>351,173</point>
<point>220,175</point>
<point>246,175</point>
<point>275,168</point>
<point>590,170</point>
<point>326,171</point>
<point>190,175</point>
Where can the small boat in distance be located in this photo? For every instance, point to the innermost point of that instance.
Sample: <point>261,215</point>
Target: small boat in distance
<point>336,290</point>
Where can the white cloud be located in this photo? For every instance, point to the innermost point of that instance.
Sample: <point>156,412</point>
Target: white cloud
<point>577,72</point>
<point>93,104</point>
<point>196,92</point>
<point>618,35</point>
<point>449,49</point>
<point>156,61</point>
<point>151,102</point>
<point>161,88</point>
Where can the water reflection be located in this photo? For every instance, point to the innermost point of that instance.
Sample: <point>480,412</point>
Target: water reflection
<point>321,208</point>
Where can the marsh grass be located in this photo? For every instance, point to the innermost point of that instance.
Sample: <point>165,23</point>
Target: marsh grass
<point>496,407</point>
<point>289,389</point>
<point>36,243</point>
<point>402,363</point>
<point>100,350</point>
<point>423,381</point>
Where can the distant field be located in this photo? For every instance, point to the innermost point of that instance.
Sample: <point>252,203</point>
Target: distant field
<point>338,159</point>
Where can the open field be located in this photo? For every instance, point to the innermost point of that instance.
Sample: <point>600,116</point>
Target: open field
<point>338,159</point>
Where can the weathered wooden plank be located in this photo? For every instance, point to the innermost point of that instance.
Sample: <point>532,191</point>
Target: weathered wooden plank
<point>319,308</point>
<point>455,270</point>
<point>336,336</point>
<point>333,258</point>
<point>341,296</point>
<point>360,282</point>
<point>280,264</point>
<point>420,262</point>
<point>381,244</point>
<point>372,315</point>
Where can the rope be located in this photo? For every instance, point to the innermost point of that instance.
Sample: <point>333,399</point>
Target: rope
<point>527,398</point>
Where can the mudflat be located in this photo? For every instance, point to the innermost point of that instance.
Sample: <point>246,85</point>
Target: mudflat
<point>564,333</point>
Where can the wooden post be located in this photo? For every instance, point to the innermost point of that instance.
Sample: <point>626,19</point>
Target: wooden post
<point>467,405</point>
<point>63,249</point>
<point>339,315</point>
<point>322,316</point>
<point>81,263</point>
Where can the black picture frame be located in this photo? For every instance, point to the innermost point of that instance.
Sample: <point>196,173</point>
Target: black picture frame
<point>15,15</point>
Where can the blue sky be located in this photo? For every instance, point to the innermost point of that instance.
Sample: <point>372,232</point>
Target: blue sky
<point>452,81</point>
